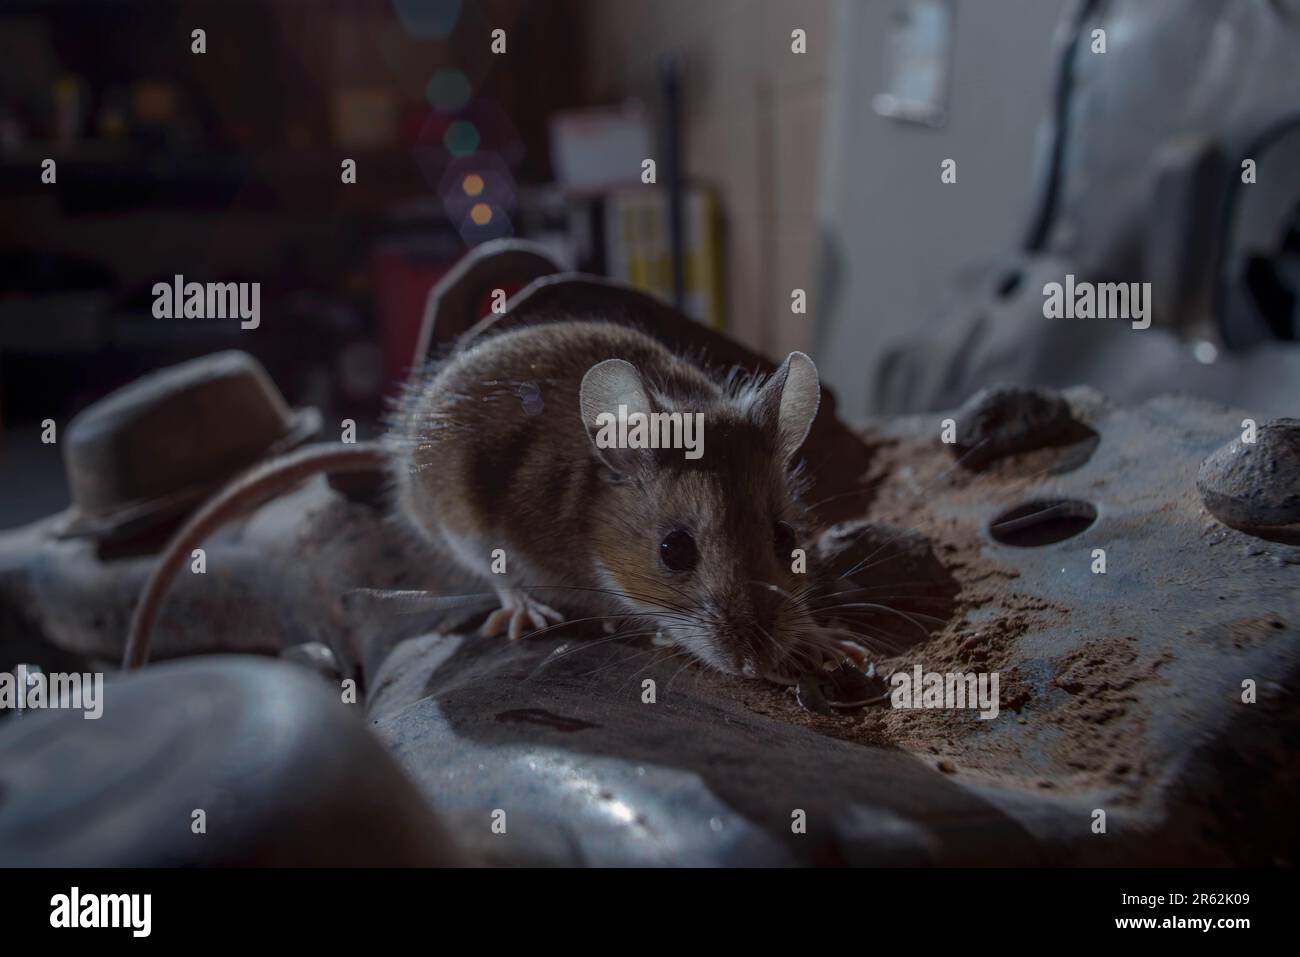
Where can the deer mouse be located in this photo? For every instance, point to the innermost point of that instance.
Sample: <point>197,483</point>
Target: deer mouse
<point>501,458</point>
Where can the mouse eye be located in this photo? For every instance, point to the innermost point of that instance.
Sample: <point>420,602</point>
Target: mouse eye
<point>677,551</point>
<point>783,539</point>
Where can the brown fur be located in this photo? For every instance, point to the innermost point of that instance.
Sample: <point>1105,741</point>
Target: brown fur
<point>491,451</point>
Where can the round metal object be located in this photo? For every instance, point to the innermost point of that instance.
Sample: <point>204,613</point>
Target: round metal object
<point>1255,484</point>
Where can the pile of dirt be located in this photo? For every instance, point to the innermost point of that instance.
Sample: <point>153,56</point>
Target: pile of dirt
<point>1069,723</point>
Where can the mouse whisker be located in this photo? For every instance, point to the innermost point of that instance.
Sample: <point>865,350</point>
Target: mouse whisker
<point>628,596</point>
<point>626,660</point>
<point>690,660</point>
<point>917,582</point>
<point>675,589</point>
<point>777,650</point>
<point>861,634</point>
<point>585,646</point>
<point>854,609</point>
<point>578,621</point>
<point>885,608</point>
<point>417,600</point>
<point>870,561</point>
<point>875,642</point>
<point>658,661</point>
<point>412,600</point>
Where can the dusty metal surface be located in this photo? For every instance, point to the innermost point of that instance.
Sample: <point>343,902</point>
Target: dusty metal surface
<point>1131,681</point>
<point>275,580</point>
<point>225,761</point>
<point>1120,691</point>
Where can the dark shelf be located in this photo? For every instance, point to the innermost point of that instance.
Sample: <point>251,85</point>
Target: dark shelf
<point>99,178</point>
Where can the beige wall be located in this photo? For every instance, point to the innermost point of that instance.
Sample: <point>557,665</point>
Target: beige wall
<point>753,112</point>
<point>895,238</point>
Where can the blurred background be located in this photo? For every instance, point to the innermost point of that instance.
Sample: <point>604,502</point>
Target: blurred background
<point>803,140</point>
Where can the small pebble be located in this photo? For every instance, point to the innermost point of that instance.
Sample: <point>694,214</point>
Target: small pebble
<point>947,767</point>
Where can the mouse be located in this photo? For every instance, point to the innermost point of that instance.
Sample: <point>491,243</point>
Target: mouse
<point>525,458</point>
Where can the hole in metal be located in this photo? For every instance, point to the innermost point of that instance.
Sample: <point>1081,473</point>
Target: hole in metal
<point>1042,522</point>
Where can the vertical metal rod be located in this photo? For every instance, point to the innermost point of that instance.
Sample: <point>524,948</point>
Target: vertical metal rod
<point>670,85</point>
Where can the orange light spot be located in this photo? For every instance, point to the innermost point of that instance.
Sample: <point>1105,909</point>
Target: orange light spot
<point>472,184</point>
<point>481,214</point>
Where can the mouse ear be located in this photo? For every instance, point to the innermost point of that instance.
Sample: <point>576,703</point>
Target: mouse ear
<point>788,401</point>
<point>612,390</point>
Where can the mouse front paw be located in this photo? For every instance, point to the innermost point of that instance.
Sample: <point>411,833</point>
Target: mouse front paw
<point>518,615</point>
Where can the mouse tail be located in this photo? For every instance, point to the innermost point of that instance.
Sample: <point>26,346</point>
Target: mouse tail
<point>245,493</point>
